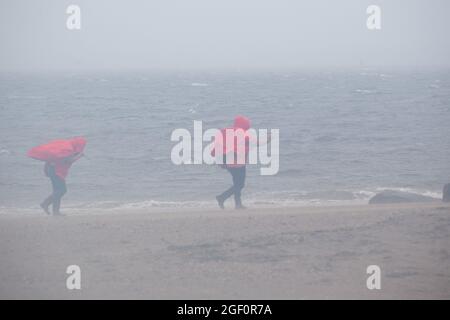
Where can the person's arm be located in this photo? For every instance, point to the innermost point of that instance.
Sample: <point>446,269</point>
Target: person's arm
<point>49,166</point>
<point>74,157</point>
<point>46,169</point>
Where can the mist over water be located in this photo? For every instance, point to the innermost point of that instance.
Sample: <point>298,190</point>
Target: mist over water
<point>343,135</point>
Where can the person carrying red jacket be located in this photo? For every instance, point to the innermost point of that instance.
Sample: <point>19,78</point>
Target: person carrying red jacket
<point>57,171</point>
<point>236,169</point>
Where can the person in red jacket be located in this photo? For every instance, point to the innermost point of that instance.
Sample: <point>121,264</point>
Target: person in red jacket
<point>237,170</point>
<point>57,171</point>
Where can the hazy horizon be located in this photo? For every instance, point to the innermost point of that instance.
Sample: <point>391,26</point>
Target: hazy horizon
<point>222,35</point>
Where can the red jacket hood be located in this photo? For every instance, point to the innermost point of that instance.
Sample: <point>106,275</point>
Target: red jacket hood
<point>241,122</point>
<point>78,144</point>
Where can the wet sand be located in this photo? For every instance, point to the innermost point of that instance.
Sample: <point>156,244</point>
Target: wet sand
<point>284,253</point>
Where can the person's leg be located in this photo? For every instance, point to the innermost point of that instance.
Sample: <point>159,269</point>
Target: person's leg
<point>59,189</point>
<point>46,203</point>
<point>227,193</point>
<point>49,200</point>
<point>238,183</point>
<point>224,196</point>
<point>56,205</point>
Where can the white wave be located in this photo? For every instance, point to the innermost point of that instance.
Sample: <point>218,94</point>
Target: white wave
<point>31,97</point>
<point>364,194</point>
<point>166,204</point>
<point>427,193</point>
<point>276,199</point>
<point>364,91</point>
<point>4,152</point>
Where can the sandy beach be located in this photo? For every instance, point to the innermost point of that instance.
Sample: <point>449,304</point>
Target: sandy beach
<point>285,253</point>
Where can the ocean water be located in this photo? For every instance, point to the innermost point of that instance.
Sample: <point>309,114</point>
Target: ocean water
<point>343,135</point>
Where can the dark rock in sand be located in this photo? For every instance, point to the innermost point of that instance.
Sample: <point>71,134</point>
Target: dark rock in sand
<point>391,196</point>
<point>446,193</point>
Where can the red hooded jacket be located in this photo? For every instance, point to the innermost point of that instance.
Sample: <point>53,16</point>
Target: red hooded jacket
<point>240,122</point>
<point>62,166</point>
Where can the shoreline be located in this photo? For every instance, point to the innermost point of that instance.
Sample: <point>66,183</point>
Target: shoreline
<point>72,210</point>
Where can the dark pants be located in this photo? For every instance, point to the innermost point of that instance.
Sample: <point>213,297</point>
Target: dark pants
<point>238,175</point>
<point>59,189</point>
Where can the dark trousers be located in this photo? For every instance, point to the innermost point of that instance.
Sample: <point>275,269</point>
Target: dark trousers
<point>238,175</point>
<point>59,189</point>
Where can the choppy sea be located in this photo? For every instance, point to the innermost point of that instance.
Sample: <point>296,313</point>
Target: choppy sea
<point>343,135</point>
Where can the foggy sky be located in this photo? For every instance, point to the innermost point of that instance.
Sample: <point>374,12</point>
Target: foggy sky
<point>222,34</point>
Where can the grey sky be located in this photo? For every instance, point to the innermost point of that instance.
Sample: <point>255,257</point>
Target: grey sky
<point>217,34</point>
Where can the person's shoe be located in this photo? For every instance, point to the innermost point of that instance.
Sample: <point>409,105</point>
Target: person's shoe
<point>58,214</point>
<point>44,208</point>
<point>220,202</point>
<point>240,207</point>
